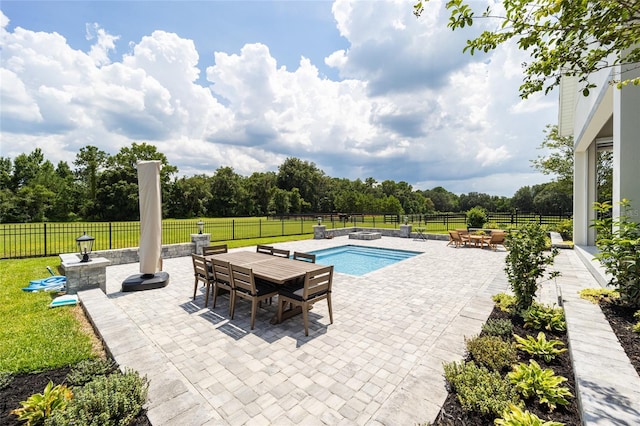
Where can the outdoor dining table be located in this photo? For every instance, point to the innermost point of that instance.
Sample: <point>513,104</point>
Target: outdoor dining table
<point>276,270</point>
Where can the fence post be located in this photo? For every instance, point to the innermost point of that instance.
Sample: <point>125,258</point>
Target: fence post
<point>260,227</point>
<point>282,227</point>
<point>233,229</point>
<point>301,225</point>
<point>45,238</point>
<point>110,233</point>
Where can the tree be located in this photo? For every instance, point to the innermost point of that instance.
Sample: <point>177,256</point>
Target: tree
<point>559,161</point>
<point>443,200</point>
<point>295,173</point>
<point>563,37</point>
<point>89,162</point>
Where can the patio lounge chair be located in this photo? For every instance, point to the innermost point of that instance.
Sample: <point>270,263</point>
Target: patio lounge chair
<point>457,239</point>
<point>203,274</point>
<point>496,238</point>
<point>317,286</point>
<point>245,286</point>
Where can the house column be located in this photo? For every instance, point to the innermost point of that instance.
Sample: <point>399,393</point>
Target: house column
<point>584,195</point>
<point>626,148</point>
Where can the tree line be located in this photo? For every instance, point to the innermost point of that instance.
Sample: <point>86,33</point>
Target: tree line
<point>103,187</point>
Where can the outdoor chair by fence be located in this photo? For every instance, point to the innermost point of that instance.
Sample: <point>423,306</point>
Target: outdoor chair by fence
<point>305,257</point>
<point>280,252</point>
<point>496,239</point>
<point>222,281</point>
<point>264,249</point>
<point>245,286</point>
<point>211,250</point>
<point>457,240</point>
<point>317,286</point>
<point>202,274</point>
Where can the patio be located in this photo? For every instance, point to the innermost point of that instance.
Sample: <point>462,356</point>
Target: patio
<point>379,363</point>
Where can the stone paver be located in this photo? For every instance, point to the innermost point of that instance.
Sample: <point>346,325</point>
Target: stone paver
<point>380,363</point>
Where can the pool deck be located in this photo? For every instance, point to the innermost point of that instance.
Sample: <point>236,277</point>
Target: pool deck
<point>380,363</point>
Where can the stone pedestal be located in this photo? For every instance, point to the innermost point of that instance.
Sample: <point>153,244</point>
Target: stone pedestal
<point>319,232</point>
<point>200,240</point>
<point>405,231</point>
<point>84,275</point>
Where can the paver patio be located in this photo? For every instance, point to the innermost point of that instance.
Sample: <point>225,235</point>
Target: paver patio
<point>379,363</point>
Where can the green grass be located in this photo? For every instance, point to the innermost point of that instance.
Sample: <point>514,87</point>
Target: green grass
<point>34,337</point>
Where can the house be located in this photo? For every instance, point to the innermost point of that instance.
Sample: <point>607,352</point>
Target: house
<point>607,119</point>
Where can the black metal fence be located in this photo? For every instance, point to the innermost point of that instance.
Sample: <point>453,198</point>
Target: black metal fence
<point>49,238</point>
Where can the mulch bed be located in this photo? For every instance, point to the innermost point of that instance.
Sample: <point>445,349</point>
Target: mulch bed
<point>24,385</point>
<point>453,414</point>
<point>621,321</point>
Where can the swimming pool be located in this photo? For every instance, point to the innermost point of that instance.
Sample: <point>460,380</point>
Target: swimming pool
<point>360,260</point>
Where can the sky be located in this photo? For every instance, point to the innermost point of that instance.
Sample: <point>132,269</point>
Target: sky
<point>360,88</point>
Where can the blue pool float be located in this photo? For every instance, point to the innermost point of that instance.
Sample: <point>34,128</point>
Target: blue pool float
<point>52,283</point>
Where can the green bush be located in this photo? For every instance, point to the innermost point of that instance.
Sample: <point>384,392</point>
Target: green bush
<point>41,406</point>
<point>492,352</point>
<point>115,399</point>
<point>531,381</point>
<point>476,217</point>
<point>541,317</point>
<point>565,228</point>
<point>526,262</point>
<point>514,416</point>
<point>618,240</point>
<point>505,302</point>
<point>539,347</point>
<point>597,295</point>
<point>479,390</point>
<point>498,327</point>
<point>87,370</point>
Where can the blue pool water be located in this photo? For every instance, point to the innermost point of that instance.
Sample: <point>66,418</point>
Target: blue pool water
<point>360,260</point>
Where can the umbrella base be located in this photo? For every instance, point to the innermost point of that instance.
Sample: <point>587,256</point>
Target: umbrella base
<point>141,282</point>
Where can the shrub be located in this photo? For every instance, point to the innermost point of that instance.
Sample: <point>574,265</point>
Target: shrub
<point>526,262</point>
<point>498,327</point>
<point>115,399</point>
<point>534,382</point>
<point>539,347</point>
<point>492,352</point>
<point>476,217</point>
<point>541,317</point>
<point>87,370</point>
<point>618,240</point>
<point>597,295</point>
<point>505,302</point>
<point>636,326</point>
<point>479,390</point>
<point>492,225</point>
<point>41,406</point>
<point>514,416</point>
<point>565,228</point>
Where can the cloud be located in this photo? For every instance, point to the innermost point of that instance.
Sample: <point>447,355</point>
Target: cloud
<point>408,105</point>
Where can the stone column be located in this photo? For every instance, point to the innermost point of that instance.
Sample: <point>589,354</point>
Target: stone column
<point>84,275</point>
<point>405,231</point>
<point>319,232</point>
<point>200,240</point>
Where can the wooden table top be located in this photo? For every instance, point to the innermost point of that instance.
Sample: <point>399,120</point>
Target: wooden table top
<point>274,269</point>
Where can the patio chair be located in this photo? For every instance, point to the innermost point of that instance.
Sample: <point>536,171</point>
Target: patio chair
<point>264,249</point>
<point>305,257</point>
<point>245,286</point>
<point>496,238</point>
<point>457,239</point>
<point>222,281</point>
<point>317,286</point>
<point>211,250</point>
<point>203,274</point>
<point>280,252</point>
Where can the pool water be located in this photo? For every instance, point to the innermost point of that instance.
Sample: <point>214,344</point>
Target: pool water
<point>360,260</point>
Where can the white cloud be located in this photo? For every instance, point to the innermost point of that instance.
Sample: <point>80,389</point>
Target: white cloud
<point>409,106</point>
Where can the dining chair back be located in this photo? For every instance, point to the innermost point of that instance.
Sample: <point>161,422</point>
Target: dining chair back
<point>280,252</point>
<point>245,286</point>
<point>222,280</point>
<point>305,257</point>
<point>317,286</point>
<point>211,250</point>
<point>202,274</point>
<point>264,249</point>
